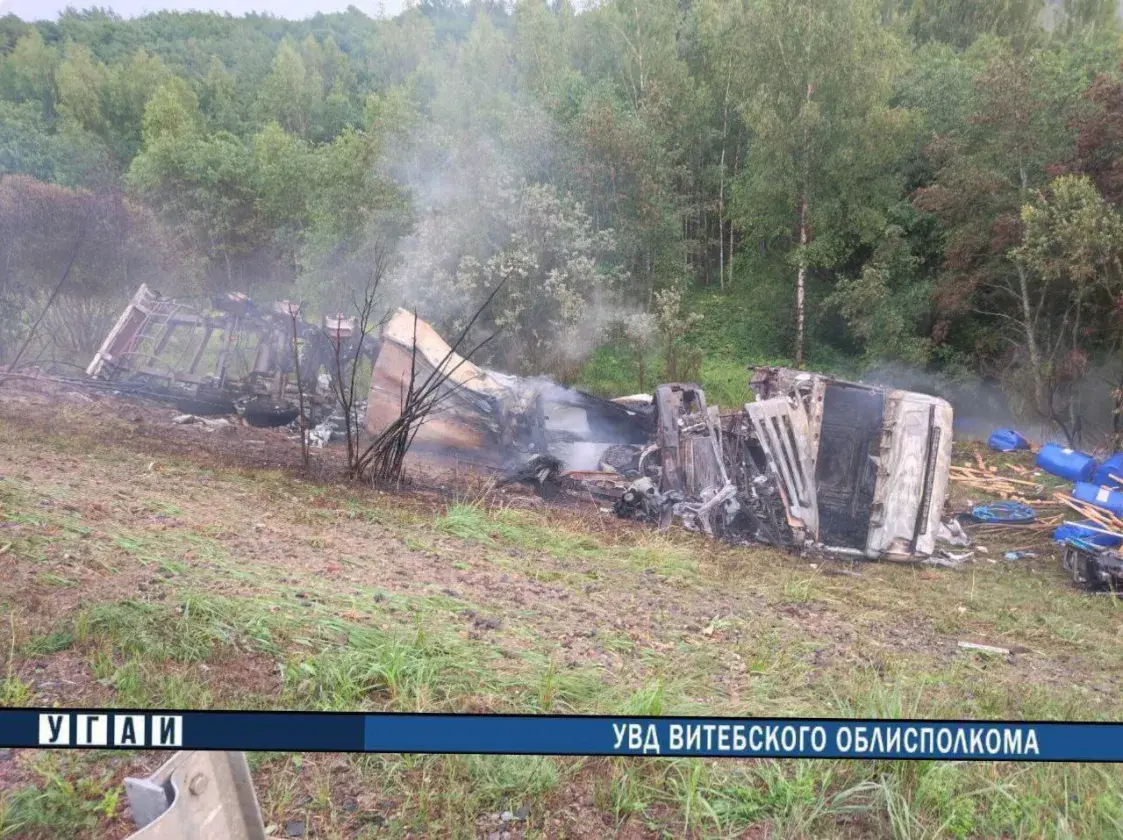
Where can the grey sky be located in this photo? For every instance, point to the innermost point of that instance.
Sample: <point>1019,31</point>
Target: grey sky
<point>292,9</point>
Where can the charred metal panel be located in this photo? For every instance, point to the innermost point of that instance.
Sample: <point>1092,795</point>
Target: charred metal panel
<point>782,433</point>
<point>455,426</point>
<point>498,416</point>
<point>680,412</point>
<point>915,454</point>
<point>846,468</point>
<point>123,339</point>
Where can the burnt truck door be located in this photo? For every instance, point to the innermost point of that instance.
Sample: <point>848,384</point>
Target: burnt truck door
<point>915,455</point>
<point>846,465</point>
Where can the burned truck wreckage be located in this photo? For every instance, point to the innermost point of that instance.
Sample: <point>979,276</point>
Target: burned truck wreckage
<point>224,355</point>
<point>813,462</point>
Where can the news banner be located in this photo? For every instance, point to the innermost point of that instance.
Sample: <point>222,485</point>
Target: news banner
<point>559,735</point>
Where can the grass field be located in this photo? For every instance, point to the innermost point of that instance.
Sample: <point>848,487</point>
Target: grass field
<point>142,569</point>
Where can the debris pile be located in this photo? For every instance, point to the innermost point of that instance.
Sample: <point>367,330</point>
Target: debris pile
<point>815,462</point>
<point>1032,504</point>
<point>1003,486</point>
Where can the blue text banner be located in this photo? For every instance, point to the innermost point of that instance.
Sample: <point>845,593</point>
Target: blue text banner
<point>560,735</point>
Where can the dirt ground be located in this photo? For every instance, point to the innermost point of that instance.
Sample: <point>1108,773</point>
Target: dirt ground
<point>154,564</point>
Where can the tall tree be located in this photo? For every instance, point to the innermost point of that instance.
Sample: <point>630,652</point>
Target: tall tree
<point>81,82</point>
<point>31,66</point>
<point>984,178</point>
<point>817,102</point>
<point>1073,250</point>
<point>289,91</point>
<point>1099,138</point>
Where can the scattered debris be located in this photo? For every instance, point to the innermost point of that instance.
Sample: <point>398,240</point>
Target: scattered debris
<point>984,648</point>
<point>210,424</point>
<point>947,559</point>
<point>1006,513</point>
<point>952,533</point>
<point>322,434</point>
<point>1105,519</point>
<point>1007,440</point>
<point>1019,555</point>
<point>815,462</point>
<point>988,482</point>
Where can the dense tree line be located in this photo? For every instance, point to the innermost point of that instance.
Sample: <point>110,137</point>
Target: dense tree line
<point>932,183</point>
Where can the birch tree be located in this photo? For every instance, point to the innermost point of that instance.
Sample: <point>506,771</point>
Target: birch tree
<point>817,102</point>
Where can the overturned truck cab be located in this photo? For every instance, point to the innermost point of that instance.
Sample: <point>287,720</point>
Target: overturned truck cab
<point>816,462</point>
<point>871,473</point>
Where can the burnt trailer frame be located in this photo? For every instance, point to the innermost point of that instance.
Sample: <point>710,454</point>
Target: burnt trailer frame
<point>186,351</point>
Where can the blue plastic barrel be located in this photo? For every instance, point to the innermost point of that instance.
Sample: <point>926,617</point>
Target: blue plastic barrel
<point>1087,532</point>
<point>1067,463</point>
<point>1101,497</point>
<point>1112,466</point>
<point>1006,440</point>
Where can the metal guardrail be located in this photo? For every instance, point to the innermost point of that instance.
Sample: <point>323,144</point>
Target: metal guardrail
<point>197,795</point>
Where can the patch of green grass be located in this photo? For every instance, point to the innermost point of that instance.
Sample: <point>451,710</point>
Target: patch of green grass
<point>478,524</point>
<point>51,579</point>
<point>626,793</point>
<point>550,689</point>
<point>413,673</point>
<point>798,590</point>
<point>142,685</point>
<point>16,692</point>
<point>792,795</point>
<point>511,780</point>
<point>188,632</point>
<point>45,645</point>
<point>63,804</point>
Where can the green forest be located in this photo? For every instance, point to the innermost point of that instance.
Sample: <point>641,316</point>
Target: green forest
<point>663,190</point>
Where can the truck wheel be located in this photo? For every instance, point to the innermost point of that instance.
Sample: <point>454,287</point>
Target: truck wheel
<point>266,414</point>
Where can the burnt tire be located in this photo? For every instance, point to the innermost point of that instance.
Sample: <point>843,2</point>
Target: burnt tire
<point>548,489</point>
<point>269,415</point>
<point>207,402</point>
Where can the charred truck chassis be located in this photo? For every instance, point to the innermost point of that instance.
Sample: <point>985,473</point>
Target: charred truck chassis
<point>208,358</point>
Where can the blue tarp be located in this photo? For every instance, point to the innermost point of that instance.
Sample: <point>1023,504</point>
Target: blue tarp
<point>1004,513</point>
